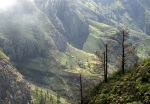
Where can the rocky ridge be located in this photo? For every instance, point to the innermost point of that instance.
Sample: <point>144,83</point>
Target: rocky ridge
<point>13,88</point>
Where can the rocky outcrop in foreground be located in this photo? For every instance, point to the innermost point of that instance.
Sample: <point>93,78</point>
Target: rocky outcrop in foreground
<point>13,88</point>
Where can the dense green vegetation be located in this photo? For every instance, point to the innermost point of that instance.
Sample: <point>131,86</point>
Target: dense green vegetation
<point>131,88</point>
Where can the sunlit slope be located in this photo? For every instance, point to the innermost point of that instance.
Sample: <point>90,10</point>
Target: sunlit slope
<point>101,33</point>
<point>131,88</point>
<point>60,71</point>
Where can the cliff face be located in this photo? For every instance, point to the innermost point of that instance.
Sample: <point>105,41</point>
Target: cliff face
<point>13,88</point>
<point>68,18</point>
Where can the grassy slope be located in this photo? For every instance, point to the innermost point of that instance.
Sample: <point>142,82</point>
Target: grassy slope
<point>131,88</point>
<point>58,72</point>
<point>54,73</point>
<point>98,33</point>
<point>36,68</point>
<point>73,57</point>
<point>100,30</point>
<point>50,96</point>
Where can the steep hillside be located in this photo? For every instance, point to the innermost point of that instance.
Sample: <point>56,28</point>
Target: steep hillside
<point>68,18</point>
<point>13,88</point>
<point>133,14</point>
<point>52,41</point>
<point>86,23</point>
<point>27,32</point>
<point>39,51</point>
<point>112,15</point>
<point>131,88</point>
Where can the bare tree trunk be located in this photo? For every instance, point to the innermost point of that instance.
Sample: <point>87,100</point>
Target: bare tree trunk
<point>81,89</point>
<point>123,53</point>
<point>106,66</point>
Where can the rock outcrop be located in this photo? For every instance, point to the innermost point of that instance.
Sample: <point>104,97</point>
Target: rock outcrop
<point>13,88</point>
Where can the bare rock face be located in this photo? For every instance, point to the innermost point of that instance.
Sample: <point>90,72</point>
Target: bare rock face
<point>68,18</point>
<point>13,88</point>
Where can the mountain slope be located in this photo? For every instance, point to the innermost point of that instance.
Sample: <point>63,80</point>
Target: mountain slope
<point>133,87</point>
<point>13,88</point>
<point>78,20</point>
<point>49,40</point>
<point>67,17</point>
<point>25,32</point>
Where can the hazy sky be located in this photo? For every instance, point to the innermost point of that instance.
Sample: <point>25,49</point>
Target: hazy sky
<point>4,4</point>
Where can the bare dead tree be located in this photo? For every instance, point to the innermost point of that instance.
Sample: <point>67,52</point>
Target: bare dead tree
<point>104,59</point>
<point>81,90</point>
<point>84,84</point>
<point>123,51</point>
<point>106,63</point>
<point>126,49</point>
